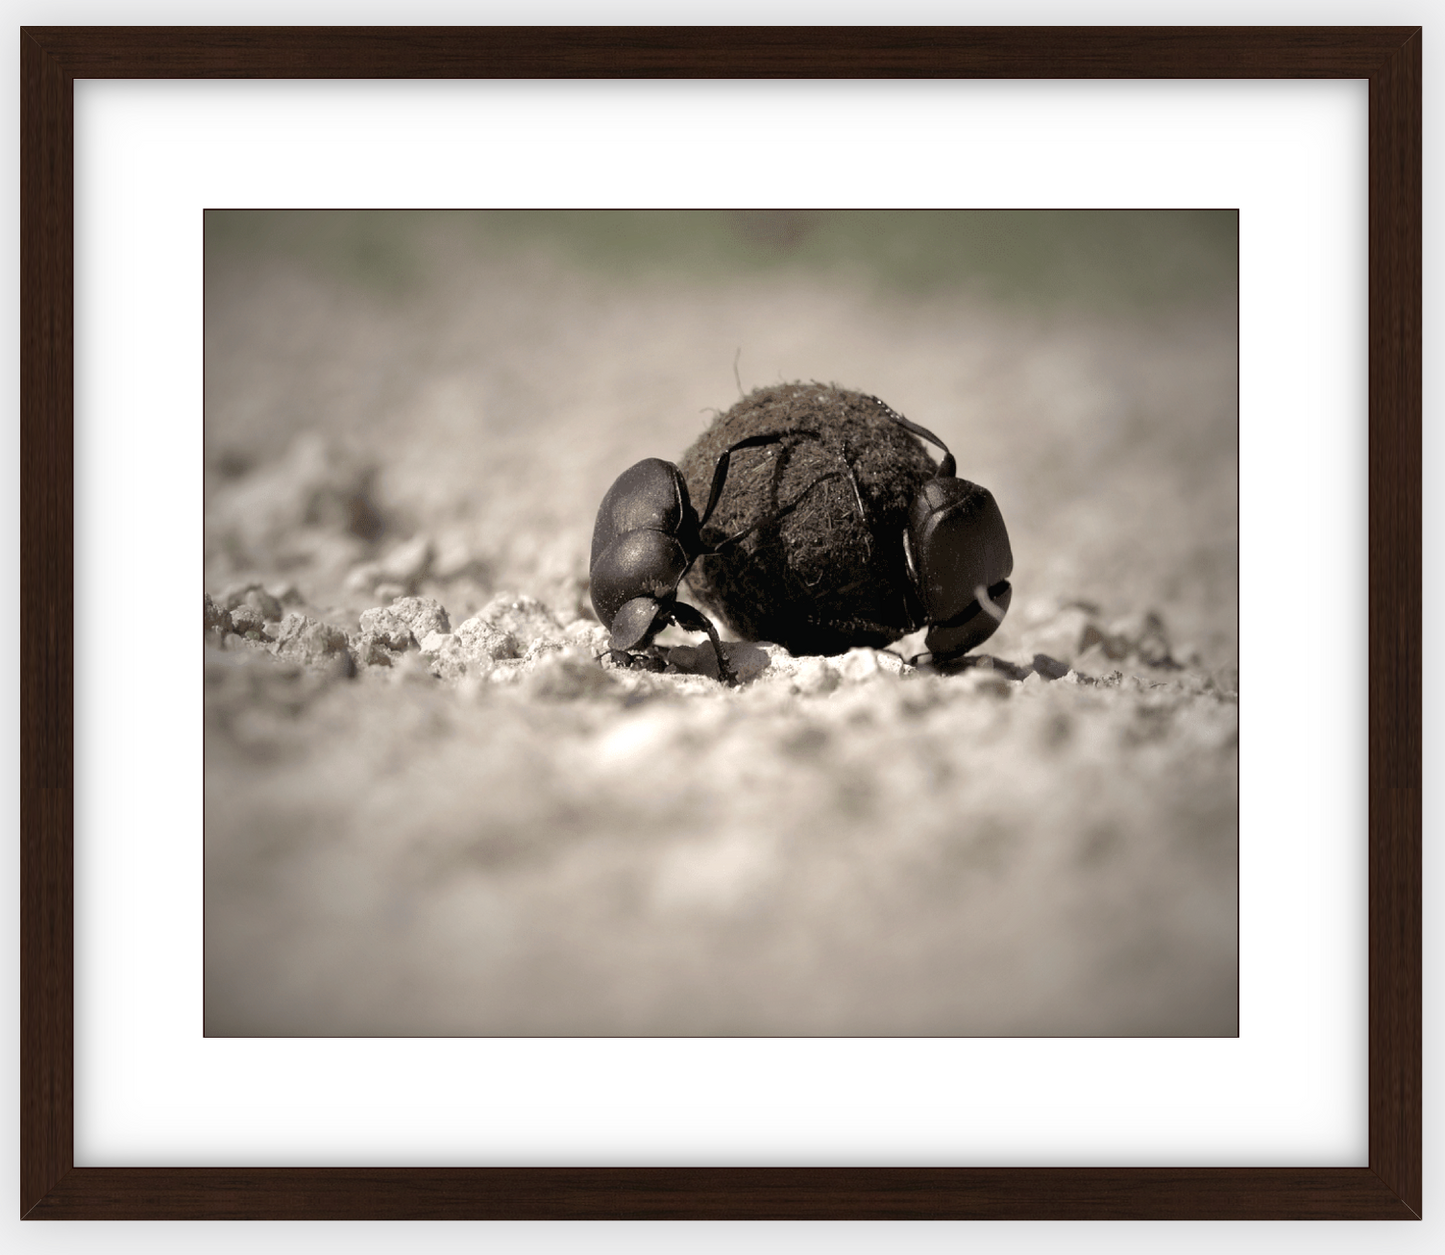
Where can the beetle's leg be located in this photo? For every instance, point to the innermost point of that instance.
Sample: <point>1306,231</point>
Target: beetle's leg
<point>692,620</point>
<point>772,518</point>
<point>956,664</point>
<point>720,471</point>
<point>847,458</point>
<point>913,608</point>
<point>858,497</point>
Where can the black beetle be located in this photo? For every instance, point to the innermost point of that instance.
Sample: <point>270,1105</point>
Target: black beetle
<point>646,538</point>
<point>957,553</point>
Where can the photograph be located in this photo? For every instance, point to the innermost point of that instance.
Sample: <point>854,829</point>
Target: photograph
<point>721,623</point>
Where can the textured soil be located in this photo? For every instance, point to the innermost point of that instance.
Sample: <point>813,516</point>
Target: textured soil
<point>434,805</point>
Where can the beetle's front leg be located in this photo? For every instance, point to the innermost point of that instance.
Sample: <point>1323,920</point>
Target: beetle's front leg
<point>692,620</point>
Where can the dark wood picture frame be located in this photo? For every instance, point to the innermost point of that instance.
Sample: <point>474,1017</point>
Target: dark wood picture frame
<point>52,1187</point>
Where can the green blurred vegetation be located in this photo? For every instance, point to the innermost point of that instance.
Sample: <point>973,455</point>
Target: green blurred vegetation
<point>1030,256</point>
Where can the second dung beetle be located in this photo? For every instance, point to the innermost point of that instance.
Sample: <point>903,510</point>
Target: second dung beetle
<point>646,538</point>
<point>958,557</point>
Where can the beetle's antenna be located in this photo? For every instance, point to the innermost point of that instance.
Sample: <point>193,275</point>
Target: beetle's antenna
<point>947,467</point>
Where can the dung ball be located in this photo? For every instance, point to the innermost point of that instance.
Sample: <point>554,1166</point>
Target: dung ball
<point>823,568</point>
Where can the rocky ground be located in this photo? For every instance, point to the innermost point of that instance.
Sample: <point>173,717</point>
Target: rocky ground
<point>434,805</point>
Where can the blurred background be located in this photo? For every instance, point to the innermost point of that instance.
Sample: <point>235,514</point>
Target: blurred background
<point>433,404</point>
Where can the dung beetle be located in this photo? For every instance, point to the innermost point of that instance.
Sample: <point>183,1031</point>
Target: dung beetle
<point>957,554</point>
<point>646,538</point>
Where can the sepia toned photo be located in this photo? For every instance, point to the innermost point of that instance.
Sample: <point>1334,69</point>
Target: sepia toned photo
<point>721,623</point>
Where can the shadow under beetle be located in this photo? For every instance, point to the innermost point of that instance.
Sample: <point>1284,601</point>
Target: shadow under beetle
<point>957,553</point>
<point>646,538</point>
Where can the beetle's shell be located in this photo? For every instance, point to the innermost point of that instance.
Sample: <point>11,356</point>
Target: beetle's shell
<point>822,579</point>
<point>647,494</point>
<point>640,540</point>
<point>641,563</point>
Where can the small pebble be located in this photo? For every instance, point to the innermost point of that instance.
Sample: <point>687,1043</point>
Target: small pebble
<point>246,619</point>
<point>814,677</point>
<point>1050,668</point>
<point>217,617</point>
<point>310,641</point>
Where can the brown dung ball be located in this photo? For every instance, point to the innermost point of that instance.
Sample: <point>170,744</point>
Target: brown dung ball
<point>826,575</point>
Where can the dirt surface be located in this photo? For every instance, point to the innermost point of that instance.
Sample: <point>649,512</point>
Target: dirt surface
<point>433,805</point>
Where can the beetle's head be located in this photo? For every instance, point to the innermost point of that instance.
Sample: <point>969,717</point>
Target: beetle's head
<point>637,622</point>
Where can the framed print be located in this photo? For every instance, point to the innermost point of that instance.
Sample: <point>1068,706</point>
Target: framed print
<point>568,1153</point>
<point>720,824</point>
